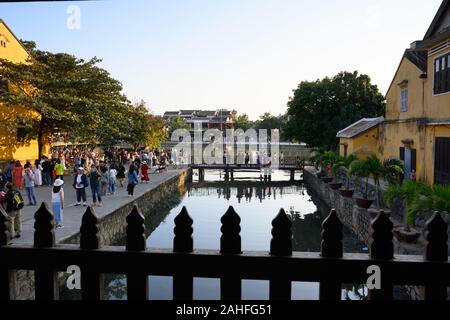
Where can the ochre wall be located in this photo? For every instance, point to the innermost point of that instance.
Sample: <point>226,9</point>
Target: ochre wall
<point>415,101</point>
<point>437,106</point>
<point>10,148</point>
<point>362,145</point>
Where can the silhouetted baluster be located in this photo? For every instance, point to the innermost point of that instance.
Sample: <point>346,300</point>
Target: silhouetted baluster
<point>137,283</point>
<point>382,248</point>
<point>230,243</point>
<point>46,283</point>
<point>331,247</point>
<point>183,243</point>
<point>92,283</point>
<point>280,245</point>
<point>436,249</point>
<point>4,240</point>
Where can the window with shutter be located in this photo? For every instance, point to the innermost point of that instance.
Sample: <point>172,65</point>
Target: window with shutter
<point>442,74</point>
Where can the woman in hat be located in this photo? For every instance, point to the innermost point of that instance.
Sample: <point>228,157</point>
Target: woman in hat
<point>58,201</point>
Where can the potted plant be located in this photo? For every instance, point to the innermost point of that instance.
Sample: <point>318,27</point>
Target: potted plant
<point>411,192</point>
<point>344,164</point>
<point>359,168</point>
<point>327,160</point>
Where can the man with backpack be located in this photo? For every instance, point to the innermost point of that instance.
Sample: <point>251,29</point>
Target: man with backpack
<point>13,207</point>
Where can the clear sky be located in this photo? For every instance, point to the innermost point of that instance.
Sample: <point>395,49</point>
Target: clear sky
<point>246,55</point>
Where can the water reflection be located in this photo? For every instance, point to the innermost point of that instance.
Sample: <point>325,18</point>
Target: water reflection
<point>257,204</point>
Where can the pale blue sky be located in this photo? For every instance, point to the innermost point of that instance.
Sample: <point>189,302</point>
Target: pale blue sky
<point>246,55</point>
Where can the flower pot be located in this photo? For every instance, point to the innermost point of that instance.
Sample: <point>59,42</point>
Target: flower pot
<point>374,212</point>
<point>348,193</point>
<point>327,179</point>
<point>335,185</point>
<point>404,235</point>
<point>363,203</point>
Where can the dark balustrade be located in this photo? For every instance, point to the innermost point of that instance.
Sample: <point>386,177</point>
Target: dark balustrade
<point>330,267</point>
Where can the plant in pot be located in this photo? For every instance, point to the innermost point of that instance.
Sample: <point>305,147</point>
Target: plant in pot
<point>393,171</point>
<point>328,159</point>
<point>431,199</point>
<point>315,157</point>
<point>414,195</point>
<point>344,164</point>
<point>360,169</point>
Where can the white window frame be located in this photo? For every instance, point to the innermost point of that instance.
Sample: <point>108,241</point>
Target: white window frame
<point>404,99</point>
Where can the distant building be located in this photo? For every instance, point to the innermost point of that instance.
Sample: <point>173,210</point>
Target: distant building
<point>210,119</point>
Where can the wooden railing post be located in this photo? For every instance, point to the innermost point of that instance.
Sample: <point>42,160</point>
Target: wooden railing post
<point>46,280</point>
<point>436,250</point>
<point>92,283</point>
<point>382,248</point>
<point>183,243</point>
<point>280,246</point>
<point>137,283</point>
<point>331,247</point>
<point>5,237</point>
<point>230,244</point>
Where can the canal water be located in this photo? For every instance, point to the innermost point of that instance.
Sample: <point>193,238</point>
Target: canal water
<point>257,204</point>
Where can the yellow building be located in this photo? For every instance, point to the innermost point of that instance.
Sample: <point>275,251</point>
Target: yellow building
<point>12,144</point>
<point>416,128</point>
<point>360,138</point>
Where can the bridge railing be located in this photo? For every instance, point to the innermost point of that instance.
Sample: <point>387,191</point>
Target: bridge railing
<point>280,265</point>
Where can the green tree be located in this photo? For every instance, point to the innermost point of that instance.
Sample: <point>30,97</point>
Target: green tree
<point>69,95</point>
<point>243,122</point>
<point>144,128</point>
<point>177,123</point>
<point>269,122</point>
<point>319,109</point>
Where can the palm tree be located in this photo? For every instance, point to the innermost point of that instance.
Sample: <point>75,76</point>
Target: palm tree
<point>376,170</point>
<point>358,168</point>
<point>344,164</point>
<point>432,198</point>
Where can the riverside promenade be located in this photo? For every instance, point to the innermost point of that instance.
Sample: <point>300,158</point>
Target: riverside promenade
<point>73,214</point>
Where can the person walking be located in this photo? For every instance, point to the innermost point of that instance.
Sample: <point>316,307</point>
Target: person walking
<point>132,180</point>
<point>13,207</point>
<point>121,174</point>
<point>47,172</point>
<point>112,175</point>
<point>29,185</point>
<point>104,179</point>
<point>80,183</point>
<point>94,181</point>
<point>58,202</point>
<point>37,170</point>
<point>18,175</point>
<point>59,170</point>
<point>9,171</point>
<point>144,172</point>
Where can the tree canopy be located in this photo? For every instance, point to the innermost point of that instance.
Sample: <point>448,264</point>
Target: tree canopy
<point>177,123</point>
<point>319,109</point>
<point>70,95</point>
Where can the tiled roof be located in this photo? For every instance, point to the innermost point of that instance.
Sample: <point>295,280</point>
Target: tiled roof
<point>359,127</point>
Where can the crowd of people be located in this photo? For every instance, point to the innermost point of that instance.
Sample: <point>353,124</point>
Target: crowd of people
<point>102,171</point>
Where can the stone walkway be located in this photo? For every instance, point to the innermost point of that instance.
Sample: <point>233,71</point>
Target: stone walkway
<point>73,214</point>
